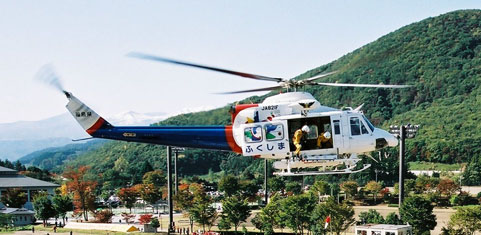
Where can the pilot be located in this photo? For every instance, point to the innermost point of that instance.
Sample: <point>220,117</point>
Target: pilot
<point>324,140</point>
<point>298,138</point>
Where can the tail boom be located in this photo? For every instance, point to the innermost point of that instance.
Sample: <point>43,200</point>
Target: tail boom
<point>204,137</point>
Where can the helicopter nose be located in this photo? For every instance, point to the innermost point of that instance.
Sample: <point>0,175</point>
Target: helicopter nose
<point>385,139</point>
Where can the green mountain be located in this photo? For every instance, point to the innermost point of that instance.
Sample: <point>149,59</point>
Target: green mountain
<point>439,56</point>
<point>52,158</point>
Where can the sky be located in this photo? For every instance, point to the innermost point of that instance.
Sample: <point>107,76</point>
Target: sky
<point>86,41</point>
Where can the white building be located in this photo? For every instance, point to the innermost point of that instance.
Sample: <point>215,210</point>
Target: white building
<point>383,229</point>
<point>10,179</point>
<point>19,216</point>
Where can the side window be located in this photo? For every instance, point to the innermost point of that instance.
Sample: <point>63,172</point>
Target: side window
<point>355,126</point>
<point>253,134</point>
<point>337,127</point>
<point>313,132</point>
<point>364,129</point>
<point>274,132</point>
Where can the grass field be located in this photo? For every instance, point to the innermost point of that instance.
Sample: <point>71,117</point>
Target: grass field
<point>434,166</point>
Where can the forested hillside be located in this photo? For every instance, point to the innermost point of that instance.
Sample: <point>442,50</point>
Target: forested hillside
<point>440,57</point>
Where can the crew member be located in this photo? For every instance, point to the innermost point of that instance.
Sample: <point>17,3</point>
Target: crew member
<point>298,138</point>
<point>324,140</point>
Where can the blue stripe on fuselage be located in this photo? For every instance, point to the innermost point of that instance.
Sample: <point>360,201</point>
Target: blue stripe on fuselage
<point>205,137</point>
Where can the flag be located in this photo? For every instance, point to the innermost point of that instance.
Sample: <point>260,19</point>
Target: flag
<point>328,220</point>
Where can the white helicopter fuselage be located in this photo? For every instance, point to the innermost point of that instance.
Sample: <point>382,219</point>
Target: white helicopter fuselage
<point>266,130</point>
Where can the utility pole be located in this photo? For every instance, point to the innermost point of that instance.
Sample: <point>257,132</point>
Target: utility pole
<point>266,194</point>
<point>403,132</point>
<point>169,190</point>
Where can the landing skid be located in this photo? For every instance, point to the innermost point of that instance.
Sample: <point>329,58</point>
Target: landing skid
<point>336,172</point>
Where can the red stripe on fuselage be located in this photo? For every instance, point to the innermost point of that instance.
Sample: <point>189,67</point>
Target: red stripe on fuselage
<point>230,140</point>
<point>239,108</point>
<point>96,126</point>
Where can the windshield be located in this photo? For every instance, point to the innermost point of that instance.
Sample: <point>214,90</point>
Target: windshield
<point>368,123</point>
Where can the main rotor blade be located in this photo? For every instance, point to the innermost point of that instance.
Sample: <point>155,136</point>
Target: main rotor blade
<point>166,60</point>
<point>361,85</point>
<point>253,90</point>
<point>318,77</point>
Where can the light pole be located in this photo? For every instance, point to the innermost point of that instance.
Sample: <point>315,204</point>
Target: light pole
<point>266,195</point>
<point>169,189</point>
<point>176,173</point>
<point>403,132</point>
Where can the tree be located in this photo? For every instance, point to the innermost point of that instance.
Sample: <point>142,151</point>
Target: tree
<point>371,217</point>
<point>373,187</point>
<point>342,217</point>
<point>269,216</point>
<point>350,188</point>
<point>202,212</point>
<point>235,210</point>
<point>447,187</point>
<point>157,178</point>
<point>127,217</point>
<point>128,196</point>
<point>43,207</point>
<point>62,204</point>
<point>14,197</point>
<point>150,193</point>
<point>103,216</point>
<point>296,211</point>
<point>320,188</point>
<point>392,218</point>
<point>229,184</point>
<point>249,189</point>
<point>184,200</point>
<point>83,190</point>
<point>276,184</point>
<point>418,212</point>
<point>466,219</point>
<point>293,188</point>
<point>5,220</point>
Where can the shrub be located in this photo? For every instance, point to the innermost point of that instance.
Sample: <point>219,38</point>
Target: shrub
<point>462,199</point>
<point>103,216</point>
<point>145,219</point>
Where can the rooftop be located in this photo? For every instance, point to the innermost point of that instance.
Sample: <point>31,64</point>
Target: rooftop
<point>7,171</point>
<point>16,211</point>
<point>382,226</point>
<point>10,178</point>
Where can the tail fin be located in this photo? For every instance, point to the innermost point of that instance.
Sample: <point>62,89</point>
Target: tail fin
<point>86,117</point>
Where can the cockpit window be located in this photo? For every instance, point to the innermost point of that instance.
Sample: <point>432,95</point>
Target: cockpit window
<point>355,126</point>
<point>368,123</point>
<point>363,129</point>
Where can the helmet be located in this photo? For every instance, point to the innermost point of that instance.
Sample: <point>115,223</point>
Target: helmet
<point>327,135</point>
<point>305,128</point>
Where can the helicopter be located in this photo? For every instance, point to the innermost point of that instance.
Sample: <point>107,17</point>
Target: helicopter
<point>263,130</point>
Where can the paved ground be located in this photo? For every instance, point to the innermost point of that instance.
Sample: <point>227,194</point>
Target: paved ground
<point>442,215</point>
